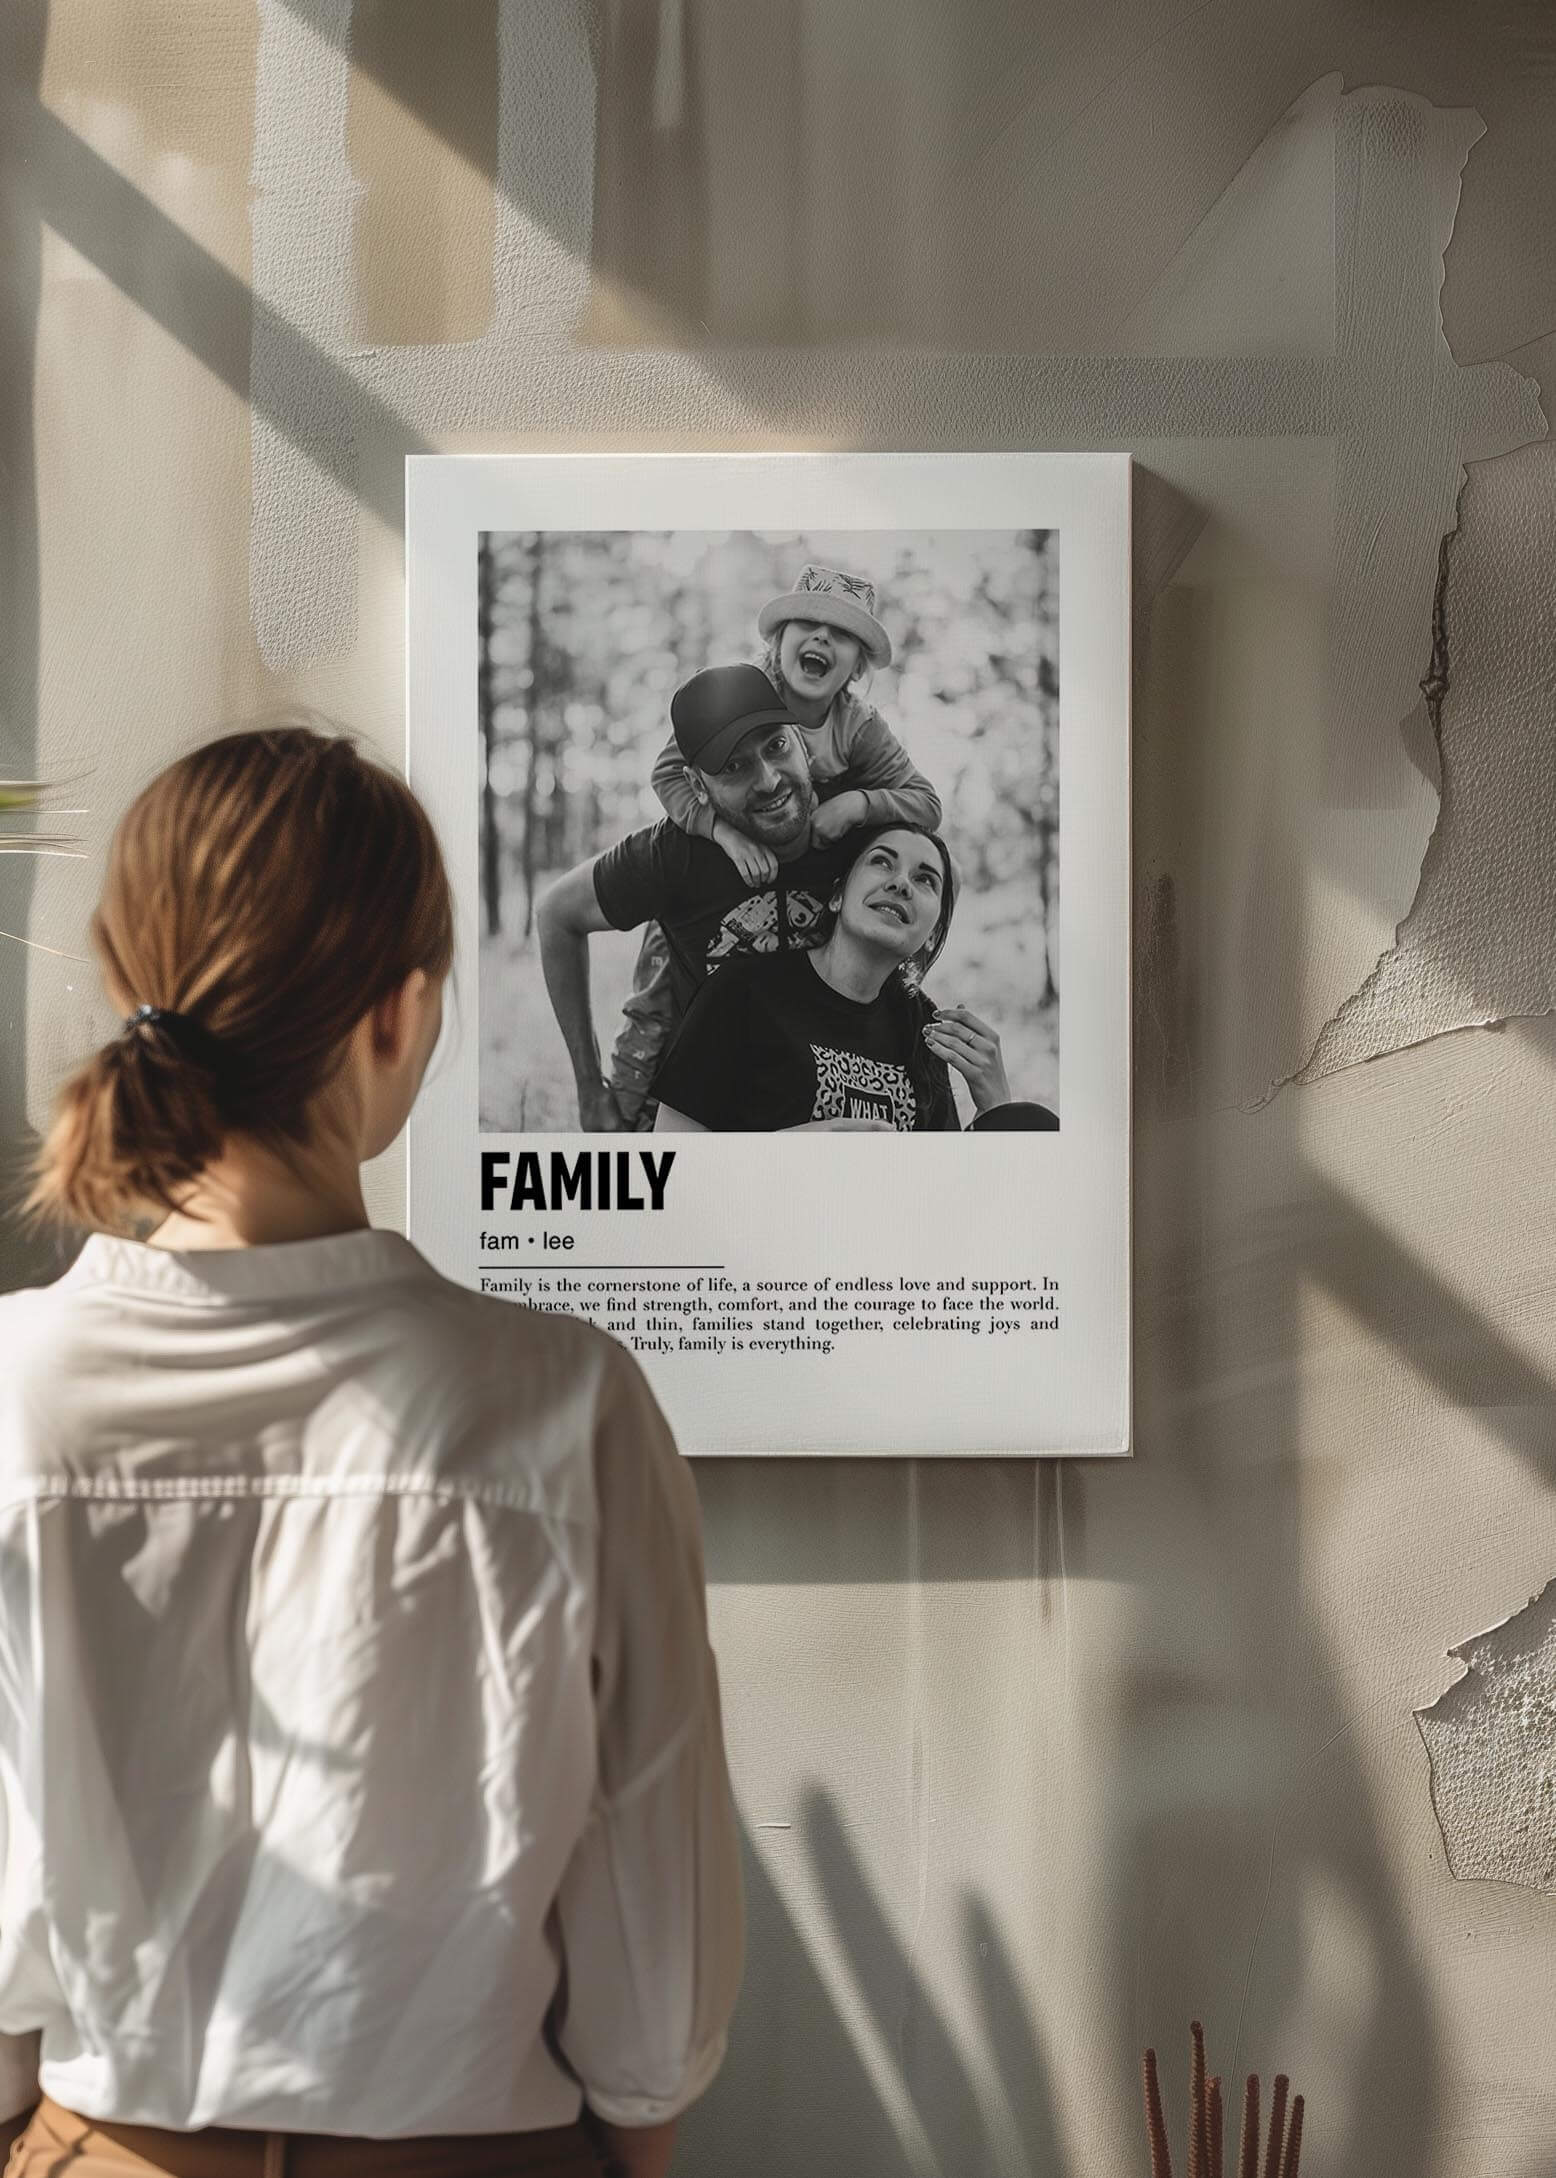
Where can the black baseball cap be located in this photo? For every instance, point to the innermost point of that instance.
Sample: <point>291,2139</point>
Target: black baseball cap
<point>714,711</point>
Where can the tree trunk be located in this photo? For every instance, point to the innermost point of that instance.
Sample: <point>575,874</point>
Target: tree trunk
<point>534,556</point>
<point>491,865</point>
<point>1045,854</point>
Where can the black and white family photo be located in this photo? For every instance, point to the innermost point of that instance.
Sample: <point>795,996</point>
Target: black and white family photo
<point>769,830</point>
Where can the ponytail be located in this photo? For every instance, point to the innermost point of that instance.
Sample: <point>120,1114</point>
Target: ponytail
<point>262,895</point>
<point>134,1125</point>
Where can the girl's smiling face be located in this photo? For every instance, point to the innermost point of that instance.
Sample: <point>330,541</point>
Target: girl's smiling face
<point>894,894</point>
<point>815,660</point>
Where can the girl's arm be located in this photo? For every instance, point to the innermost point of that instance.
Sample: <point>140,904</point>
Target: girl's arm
<point>879,768</point>
<point>681,804</point>
<point>757,864</point>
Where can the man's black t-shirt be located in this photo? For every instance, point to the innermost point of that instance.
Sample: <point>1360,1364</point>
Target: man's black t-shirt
<point>705,907</point>
<point>767,1044</point>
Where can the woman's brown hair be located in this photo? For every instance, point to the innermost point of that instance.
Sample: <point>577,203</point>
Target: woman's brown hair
<point>265,892</point>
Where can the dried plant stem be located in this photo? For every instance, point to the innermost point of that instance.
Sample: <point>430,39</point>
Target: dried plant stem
<point>1216,2126</point>
<point>1293,2155</point>
<point>1248,2152</point>
<point>1207,2123</point>
<point>1272,2148</point>
<point>1155,2122</point>
<point>1198,2116</point>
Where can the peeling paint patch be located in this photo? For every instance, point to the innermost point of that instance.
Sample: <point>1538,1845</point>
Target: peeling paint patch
<point>1479,943</point>
<point>1491,1741</point>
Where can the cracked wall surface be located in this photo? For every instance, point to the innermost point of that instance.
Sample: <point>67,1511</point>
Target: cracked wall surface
<point>1492,1742</point>
<point>1035,1764</point>
<point>1479,943</point>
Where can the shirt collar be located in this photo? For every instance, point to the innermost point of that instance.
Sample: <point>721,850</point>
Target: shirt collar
<point>287,1271</point>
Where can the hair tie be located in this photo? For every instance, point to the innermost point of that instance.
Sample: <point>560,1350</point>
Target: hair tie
<point>189,1037</point>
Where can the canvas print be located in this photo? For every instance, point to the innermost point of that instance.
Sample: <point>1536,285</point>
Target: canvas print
<point>786,803</point>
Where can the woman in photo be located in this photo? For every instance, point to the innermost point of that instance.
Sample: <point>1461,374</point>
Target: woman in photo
<point>843,1038</point>
<point>362,1788</point>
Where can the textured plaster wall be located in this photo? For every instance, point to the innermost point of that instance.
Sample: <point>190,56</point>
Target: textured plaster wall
<point>1492,1740</point>
<point>1035,1763</point>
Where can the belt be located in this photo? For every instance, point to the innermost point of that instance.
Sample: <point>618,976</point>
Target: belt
<point>223,2151</point>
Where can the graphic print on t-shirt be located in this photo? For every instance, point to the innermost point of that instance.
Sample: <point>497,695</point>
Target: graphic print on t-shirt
<point>850,1086</point>
<point>752,926</point>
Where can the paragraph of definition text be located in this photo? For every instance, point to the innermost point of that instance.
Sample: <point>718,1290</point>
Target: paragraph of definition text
<point>712,1312</point>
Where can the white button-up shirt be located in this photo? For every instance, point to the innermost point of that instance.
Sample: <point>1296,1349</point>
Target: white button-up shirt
<point>360,1762</point>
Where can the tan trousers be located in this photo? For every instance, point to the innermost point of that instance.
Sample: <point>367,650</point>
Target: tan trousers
<point>57,2142</point>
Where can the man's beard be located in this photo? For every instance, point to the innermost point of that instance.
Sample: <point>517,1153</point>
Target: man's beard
<point>781,825</point>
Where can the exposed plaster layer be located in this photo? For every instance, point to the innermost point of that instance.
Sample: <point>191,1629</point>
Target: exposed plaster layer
<point>1479,943</point>
<point>1492,1743</point>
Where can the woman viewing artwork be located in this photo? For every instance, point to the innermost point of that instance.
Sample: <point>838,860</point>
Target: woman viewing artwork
<point>362,1788</point>
<point>843,1038</point>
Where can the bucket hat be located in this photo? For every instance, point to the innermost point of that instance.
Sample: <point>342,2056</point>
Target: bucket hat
<point>838,601</point>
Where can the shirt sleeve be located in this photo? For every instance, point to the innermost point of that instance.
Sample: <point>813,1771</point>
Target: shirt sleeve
<point>632,880</point>
<point>18,2052</point>
<point>894,789</point>
<point>709,1053</point>
<point>674,789</point>
<point>650,1907</point>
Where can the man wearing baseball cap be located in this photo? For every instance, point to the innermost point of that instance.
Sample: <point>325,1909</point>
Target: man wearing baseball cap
<point>745,758</point>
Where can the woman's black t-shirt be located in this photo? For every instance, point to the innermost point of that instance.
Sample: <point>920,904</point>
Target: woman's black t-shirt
<point>766,1043</point>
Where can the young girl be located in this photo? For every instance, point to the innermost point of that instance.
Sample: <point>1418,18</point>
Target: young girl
<point>360,1767</point>
<point>821,637</point>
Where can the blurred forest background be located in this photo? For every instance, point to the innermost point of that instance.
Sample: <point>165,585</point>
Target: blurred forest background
<point>584,637</point>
